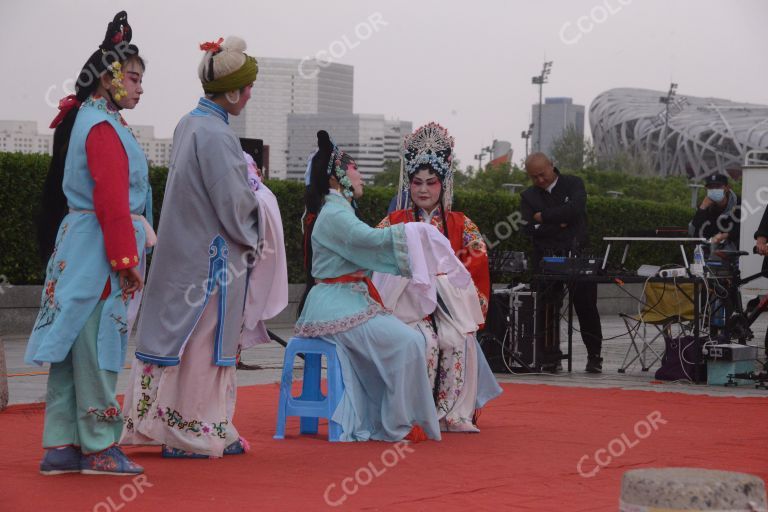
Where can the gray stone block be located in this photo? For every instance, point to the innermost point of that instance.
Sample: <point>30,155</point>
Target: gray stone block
<point>18,308</point>
<point>691,489</point>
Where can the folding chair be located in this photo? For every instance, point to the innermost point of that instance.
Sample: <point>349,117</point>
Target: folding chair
<point>665,304</point>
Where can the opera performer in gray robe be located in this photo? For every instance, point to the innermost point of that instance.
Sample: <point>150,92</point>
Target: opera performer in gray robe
<point>183,385</point>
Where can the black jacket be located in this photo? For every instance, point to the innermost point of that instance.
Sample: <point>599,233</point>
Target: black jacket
<point>762,229</point>
<point>713,220</point>
<point>566,204</point>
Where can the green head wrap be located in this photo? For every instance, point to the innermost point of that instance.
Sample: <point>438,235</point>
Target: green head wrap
<point>234,81</point>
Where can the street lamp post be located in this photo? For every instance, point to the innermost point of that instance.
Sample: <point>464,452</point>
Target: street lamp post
<point>540,80</point>
<point>527,135</point>
<point>667,100</point>
<point>481,155</point>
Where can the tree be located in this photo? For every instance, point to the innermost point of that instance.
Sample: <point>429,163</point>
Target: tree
<point>632,162</point>
<point>568,151</point>
<point>389,176</point>
<point>492,177</point>
<point>460,178</point>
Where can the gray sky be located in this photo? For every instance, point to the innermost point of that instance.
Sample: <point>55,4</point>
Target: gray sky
<point>465,64</point>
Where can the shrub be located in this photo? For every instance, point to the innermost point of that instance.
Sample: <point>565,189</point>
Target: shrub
<point>22,177</point>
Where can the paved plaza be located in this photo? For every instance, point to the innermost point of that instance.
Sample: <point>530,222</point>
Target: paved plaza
<point>27,383</point>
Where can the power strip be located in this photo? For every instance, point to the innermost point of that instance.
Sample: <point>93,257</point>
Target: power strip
<point>673,272</point>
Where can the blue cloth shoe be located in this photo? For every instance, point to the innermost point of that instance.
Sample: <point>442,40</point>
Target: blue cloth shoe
<point>178,453</point>
<point>59,461</point>
<point>111,461</point>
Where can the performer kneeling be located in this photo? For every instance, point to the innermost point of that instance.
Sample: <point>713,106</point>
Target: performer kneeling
<point>386,392</point>
<point>455,364</point>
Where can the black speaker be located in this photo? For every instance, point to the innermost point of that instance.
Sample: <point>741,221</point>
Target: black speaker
<point>255,148</point>
<point>519,331</point>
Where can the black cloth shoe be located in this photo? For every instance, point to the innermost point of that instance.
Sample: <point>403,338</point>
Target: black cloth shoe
<point>244,366</point>
<point>594,364</point>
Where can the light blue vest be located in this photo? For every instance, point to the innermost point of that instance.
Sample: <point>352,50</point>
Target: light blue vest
<point>78,268</point>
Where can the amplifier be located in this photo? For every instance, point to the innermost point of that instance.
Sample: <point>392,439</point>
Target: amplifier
<point>507,261</point>
<point>518,329</point>
<point>731,352</point>
<point>570,266</point>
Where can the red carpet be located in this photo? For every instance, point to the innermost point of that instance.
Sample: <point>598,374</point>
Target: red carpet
<point>526,458</point>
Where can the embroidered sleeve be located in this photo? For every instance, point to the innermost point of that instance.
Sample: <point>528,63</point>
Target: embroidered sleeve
<point>108,165</point>
<point>474,255</point>
<point>472,237</point>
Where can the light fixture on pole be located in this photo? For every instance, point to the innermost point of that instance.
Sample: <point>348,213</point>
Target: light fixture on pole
<point>540,80</point>
<point>527,135</point>
<point>480,156</point>
<point>666,100</point>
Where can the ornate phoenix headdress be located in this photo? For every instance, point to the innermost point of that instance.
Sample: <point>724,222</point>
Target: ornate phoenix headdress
<point>431,146</point>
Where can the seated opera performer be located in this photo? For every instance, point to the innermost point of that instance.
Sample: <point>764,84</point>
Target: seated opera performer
<point>387,396</point>
<point>455,364</point>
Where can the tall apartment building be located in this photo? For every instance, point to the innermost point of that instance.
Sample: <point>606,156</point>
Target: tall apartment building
<point>557,114</point>
<point>368,138</point>
<point>22,136</point>
<point>158,151</point>
<point>291,86</point>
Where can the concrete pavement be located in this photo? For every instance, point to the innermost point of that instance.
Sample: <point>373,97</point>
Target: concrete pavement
<point>28,383</point>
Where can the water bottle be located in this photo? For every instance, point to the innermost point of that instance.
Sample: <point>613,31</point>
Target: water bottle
<point>697,268</point>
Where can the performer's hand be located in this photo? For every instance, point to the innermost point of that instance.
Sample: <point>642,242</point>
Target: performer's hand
<point>719,238</point>
<point>762,246</point>
<point>538,218</point>
<point>130,281</point>
<point>706,203</point>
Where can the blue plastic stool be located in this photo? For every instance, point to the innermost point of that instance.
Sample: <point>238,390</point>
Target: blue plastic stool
<point>312,404</point>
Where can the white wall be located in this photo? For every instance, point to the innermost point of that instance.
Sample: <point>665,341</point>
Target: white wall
<point>754,198</point>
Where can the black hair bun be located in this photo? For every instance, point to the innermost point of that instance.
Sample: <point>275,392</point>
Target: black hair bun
<point>118,31</point>
<point>324,141</point>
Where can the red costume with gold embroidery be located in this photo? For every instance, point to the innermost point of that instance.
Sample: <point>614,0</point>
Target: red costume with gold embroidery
<point>466,241</point>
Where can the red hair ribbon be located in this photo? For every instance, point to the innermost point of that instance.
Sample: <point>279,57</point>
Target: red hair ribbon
<point>212,46</point>
<point>65,105</point>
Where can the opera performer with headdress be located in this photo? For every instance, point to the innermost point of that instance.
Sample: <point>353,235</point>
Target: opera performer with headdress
<point>387,396</point>
<point>455,364</point>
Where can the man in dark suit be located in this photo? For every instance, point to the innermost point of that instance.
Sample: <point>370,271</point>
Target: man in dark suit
<point>555,211</point>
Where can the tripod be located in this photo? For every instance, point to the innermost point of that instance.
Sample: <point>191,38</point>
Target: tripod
<point>509,335</point>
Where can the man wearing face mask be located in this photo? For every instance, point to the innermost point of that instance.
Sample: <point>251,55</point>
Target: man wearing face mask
<point>718,216</point>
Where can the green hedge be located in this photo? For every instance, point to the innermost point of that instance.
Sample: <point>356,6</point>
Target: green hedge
<point>22,177</point>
